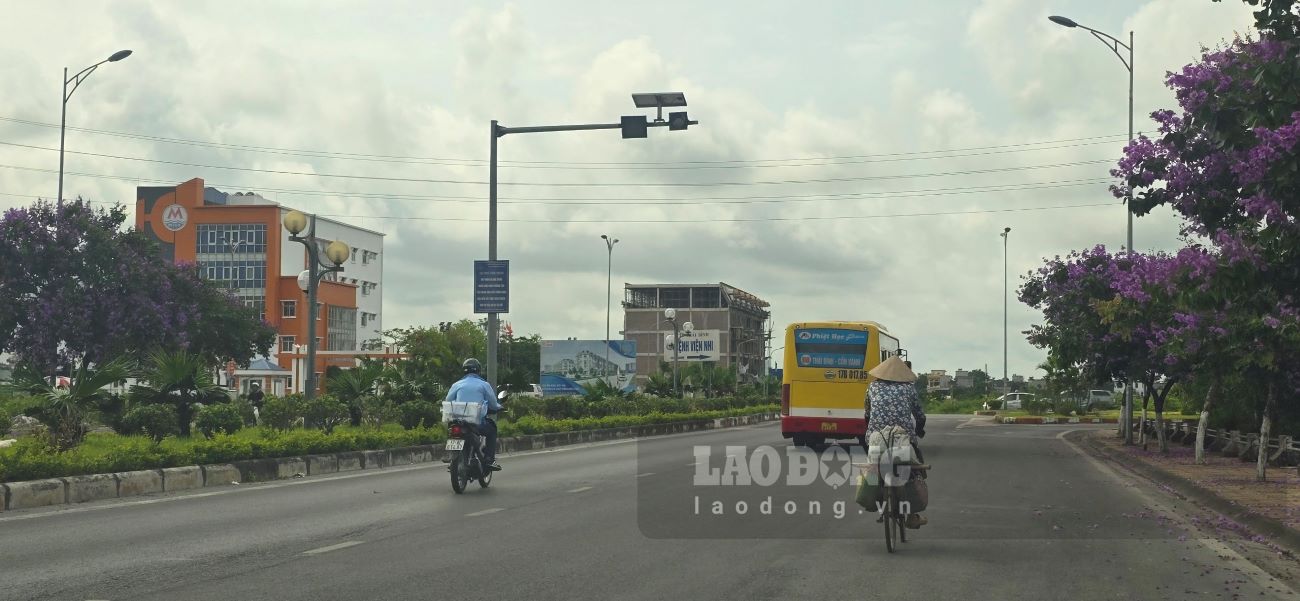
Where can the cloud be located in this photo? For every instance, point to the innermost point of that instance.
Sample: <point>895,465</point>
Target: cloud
<point>422,81</point>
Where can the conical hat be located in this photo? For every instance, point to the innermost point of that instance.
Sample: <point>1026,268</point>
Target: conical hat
<point>893,370</point>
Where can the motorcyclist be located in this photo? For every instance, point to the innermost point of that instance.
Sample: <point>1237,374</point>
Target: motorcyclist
<point>473,388</point>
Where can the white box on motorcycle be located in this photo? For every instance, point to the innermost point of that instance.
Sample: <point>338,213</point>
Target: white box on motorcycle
<point>469,411</point>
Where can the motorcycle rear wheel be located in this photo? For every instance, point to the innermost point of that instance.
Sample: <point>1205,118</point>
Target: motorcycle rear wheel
<point>459,473</point>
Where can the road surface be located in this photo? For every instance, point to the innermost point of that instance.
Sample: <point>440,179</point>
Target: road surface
<point>1017,513</point>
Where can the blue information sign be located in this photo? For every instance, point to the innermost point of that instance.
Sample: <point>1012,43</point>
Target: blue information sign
<point>491,286</point>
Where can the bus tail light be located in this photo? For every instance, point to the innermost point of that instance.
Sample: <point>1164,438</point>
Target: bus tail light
<point>785,399</point>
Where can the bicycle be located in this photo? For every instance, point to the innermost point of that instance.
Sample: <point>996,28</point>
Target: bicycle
<point>891,485</point>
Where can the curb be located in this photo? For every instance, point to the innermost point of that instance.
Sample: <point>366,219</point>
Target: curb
<point>1047,419</point>
<point>1037,420</point>
<point>1189,491</point>
<point>76,489</point>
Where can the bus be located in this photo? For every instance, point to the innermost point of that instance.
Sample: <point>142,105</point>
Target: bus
<point>824,381</point>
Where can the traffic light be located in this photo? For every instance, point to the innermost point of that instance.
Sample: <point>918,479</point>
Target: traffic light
<point>678,121</point>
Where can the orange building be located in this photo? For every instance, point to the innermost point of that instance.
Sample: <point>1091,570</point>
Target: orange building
<point>238,241</point>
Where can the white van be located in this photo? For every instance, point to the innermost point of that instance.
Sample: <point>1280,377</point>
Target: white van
<point>1015,400</point>
<point>1100,399</point>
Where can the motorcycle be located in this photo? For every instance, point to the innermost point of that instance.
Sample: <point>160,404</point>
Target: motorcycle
<point>466,444</point>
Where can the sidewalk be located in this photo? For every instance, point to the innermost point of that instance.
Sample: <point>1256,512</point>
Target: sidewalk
<point>1224,484</point>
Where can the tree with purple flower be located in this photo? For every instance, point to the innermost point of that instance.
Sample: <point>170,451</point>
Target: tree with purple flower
<point>1229,162</point>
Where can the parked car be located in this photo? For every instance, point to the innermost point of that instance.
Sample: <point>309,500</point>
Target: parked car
<point>534,390</point>
<point>1100,399</point>
<point>1015,400</point>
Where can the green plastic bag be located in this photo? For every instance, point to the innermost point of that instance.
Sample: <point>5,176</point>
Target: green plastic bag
<point>869,495</point>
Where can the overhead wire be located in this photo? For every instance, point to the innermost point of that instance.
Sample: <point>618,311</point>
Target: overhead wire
<point>680,221</point>
<point>576,184</point>
<point>461,162</point>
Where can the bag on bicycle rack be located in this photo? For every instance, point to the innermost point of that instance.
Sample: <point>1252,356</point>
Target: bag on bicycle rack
<point>870,494</point>
<point>917,494</point>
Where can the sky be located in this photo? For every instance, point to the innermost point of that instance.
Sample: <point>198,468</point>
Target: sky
<point>852,161</point>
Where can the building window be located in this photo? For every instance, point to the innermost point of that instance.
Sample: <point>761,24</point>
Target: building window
<point>364,318</point>
<point>342,329</point>
<point>354,255</point>
<point>286,344</point>
<point>288,308</point>
<point>678,298</point>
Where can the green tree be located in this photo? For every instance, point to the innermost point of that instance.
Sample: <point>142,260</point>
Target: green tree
<point>352,386</point>
<point>179,379</point>
<point>65,410</point>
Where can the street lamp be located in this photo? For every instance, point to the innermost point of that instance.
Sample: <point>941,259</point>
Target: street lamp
<point>1006,233</point>
<point>231,245</point>
<point>634,126</point>
<point>609,286</point>
<point>309,280</point>
<point>1114,44</point>
<point>675,339</point>
<point>76,80</point>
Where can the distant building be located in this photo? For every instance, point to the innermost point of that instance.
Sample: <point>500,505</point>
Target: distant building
<point>238,241</point>
<point>731,326</point>
<point>938,382</point>
<point>963,379</point>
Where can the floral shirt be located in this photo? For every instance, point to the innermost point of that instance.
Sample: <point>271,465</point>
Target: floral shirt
<point>893,404</point>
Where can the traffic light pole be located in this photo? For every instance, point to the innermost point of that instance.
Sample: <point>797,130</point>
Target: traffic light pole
<point>493,319</point>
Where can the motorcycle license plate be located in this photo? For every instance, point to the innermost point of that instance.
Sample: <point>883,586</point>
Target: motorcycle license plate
<point>455,444</point>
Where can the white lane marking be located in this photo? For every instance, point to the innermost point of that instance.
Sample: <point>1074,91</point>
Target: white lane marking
<point>691,464</point>
<point>1263,579</point>
<point>351,543</point>
<point>360,474</point>
<point>645,474</point>
<point>582,489</point>
<point>485,512</point>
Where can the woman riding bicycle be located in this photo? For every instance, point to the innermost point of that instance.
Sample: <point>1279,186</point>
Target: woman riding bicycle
<point>892,401</point>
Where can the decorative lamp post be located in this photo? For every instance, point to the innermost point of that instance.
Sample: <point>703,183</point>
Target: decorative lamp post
<point>309,280</point>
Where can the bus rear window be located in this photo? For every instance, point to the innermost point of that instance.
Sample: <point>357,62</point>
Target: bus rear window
<point>826,347</point>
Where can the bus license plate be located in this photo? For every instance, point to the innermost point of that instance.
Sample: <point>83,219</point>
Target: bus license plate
<point>828,426</point>
<point>455,444</point>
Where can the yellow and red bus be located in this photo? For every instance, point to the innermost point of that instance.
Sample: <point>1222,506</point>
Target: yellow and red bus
<point>824,380</point>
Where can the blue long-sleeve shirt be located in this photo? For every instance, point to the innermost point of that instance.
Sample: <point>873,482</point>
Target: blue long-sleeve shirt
<point>474,388</point>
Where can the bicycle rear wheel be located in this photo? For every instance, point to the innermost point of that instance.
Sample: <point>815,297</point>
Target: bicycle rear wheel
<point>890,508</point>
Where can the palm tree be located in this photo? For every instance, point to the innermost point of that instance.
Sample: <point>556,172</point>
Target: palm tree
<point>180,379</point>
<point>64,410</point>
<point>659,385</point>
<point>353,385</point>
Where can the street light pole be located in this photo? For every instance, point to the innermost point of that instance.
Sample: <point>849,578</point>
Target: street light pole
<point>670,314</point>
<point>76,80</point>
<point>337,252</point>
<point>609,289</point>
<point>632,128</point>
<point>1126,420</point>
<point>1006,233</point>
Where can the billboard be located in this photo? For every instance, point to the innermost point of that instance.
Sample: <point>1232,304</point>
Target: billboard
<point>700,345</point>
<point>568,366</point>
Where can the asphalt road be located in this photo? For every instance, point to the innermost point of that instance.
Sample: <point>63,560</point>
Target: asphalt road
<point>1016,513</point>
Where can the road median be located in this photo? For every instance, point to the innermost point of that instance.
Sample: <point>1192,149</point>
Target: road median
<point>76,489</point>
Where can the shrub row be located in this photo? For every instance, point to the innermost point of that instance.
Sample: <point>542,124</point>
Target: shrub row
<point>33,458</point>
<point>576,407</point>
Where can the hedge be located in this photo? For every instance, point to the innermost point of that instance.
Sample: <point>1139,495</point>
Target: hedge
<point>33,459</point>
